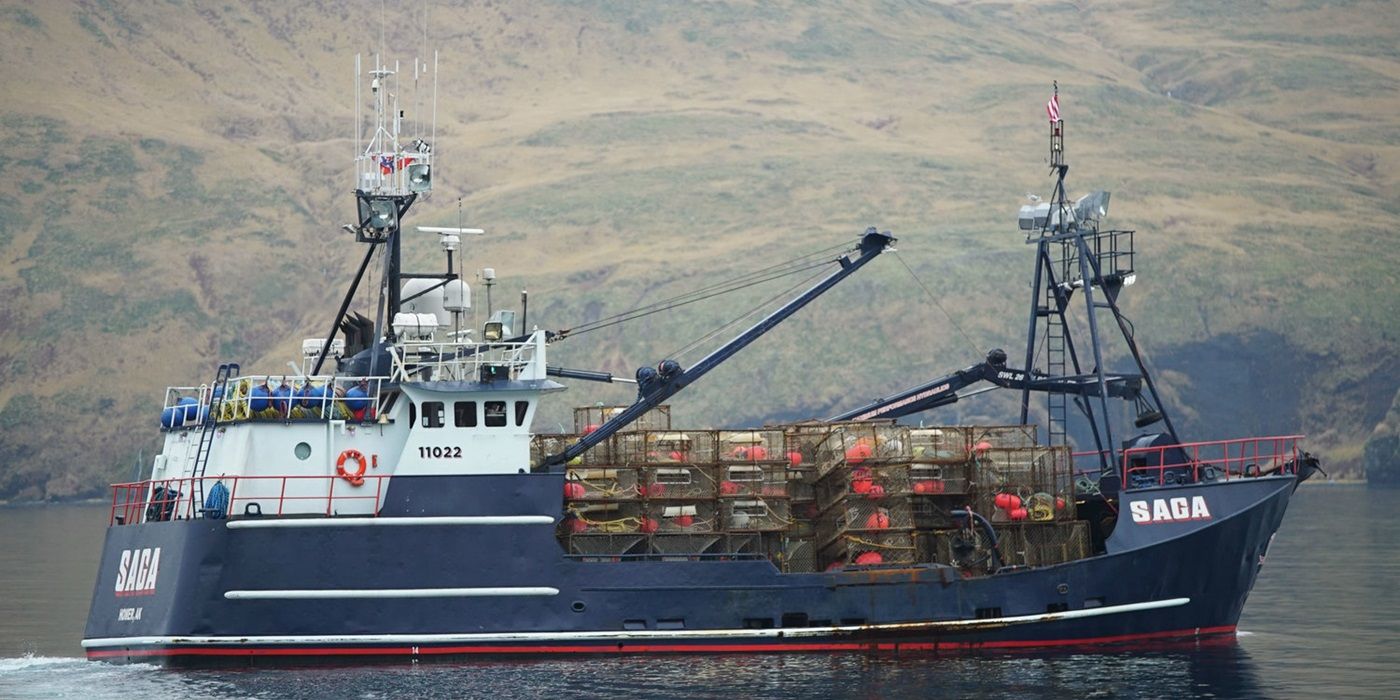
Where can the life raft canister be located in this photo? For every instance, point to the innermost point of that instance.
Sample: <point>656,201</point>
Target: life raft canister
<point>356,477</point>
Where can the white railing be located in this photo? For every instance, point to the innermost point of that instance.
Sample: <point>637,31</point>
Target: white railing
<point>466,361</point>
<point>277,398</point>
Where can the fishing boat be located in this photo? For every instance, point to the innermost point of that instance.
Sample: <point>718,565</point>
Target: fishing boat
<point>389,499</point>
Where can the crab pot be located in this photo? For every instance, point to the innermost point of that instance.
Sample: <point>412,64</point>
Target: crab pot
<point>826,447</point>
<point>1008,436</point>
<point>938,479</point>
<point>582,517</point>
<point>602,484</point>
<point>1043,544</point>
<point>801,485</point>
<point>664,447</point>
<point>1037,480</point>
<point>933,513</point>
<point>751,479</point>
<point>940,445</point>
<point>794,555</point>
<point>857,549</point>
<point>685,544</point>
<point>542,446</point>
<point>605,545</point>
<point>678,481</point>
<point>750,514</point>
<point>749,543</point>
<point>675,516</point>
<point>751,447</point>
<point>866,515</point>
<point>872,481</point>
<point>658,418</point>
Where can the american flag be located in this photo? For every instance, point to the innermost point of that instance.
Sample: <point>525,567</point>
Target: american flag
<point>1052,108</point>
<point>386,165</point>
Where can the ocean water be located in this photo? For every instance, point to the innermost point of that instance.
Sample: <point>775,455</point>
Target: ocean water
<point>1323,621</point>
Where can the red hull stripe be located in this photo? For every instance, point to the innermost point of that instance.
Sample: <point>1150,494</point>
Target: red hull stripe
<point>605,648</point>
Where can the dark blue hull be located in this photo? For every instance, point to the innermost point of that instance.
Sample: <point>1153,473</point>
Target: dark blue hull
<point>434,588</point>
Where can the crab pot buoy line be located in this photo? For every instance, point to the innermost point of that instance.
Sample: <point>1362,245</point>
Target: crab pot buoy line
<point>866,558</point>
<point>573,490</point>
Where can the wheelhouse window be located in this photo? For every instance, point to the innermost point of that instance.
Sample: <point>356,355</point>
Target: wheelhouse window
<point>464,414</point>
<point>495,414</point>
<point>432,414</point>
<point>522,409</point>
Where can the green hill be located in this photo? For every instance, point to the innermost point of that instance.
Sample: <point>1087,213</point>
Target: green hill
<point>173,177</point>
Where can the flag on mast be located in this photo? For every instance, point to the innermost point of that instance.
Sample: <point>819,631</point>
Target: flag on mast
<point>1052,108</point>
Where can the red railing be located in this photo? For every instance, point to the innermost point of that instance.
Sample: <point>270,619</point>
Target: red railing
<point>176,499</point>
<point>1193,462</point>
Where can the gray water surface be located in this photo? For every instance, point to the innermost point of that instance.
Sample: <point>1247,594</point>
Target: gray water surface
<point>1323,621</point>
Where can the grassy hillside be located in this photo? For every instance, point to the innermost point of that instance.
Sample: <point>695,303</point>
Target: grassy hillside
<point>173,177</point>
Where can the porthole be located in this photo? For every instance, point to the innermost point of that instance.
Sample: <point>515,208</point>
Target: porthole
<point>578,606</point>
<point>302,451</point>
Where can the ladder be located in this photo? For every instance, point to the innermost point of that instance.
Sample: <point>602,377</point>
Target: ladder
<point>1056,403</point>
<point>207,423</point>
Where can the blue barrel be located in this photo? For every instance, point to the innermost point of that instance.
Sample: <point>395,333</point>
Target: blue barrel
<point>304,395</point>
<point>281,398</point>
<point>258,399</point>
<point>187,411</point>
<point>167,417</point>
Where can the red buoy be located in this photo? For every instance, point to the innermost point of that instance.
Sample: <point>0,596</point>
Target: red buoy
<point>859,452</point>
<point>795,459</point>
<point>573,490</point>
<point>866,558</point>
<point>876,491</point>
<point>728,488</point>
<point>1059,503</point>
<point>589,428</point>
<point>653,491</point>
<point>685,520</point>
<point>982,447</point>
<point>879,520</point>
<point>1007,501</point>
<point>678,456</point>
<point>576,526</point>
<point>1018,513</point>
<point>648,525</point>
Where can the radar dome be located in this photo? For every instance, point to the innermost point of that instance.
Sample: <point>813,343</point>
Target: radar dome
<point>430,302</point>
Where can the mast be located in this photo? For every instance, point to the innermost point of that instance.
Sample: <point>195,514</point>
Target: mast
<point>1074,255</point>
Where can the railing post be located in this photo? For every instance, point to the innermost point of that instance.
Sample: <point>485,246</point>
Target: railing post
<point>330,496</point>
<point>281,496</point>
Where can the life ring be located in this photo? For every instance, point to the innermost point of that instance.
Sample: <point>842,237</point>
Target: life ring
<point>357,477</point>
